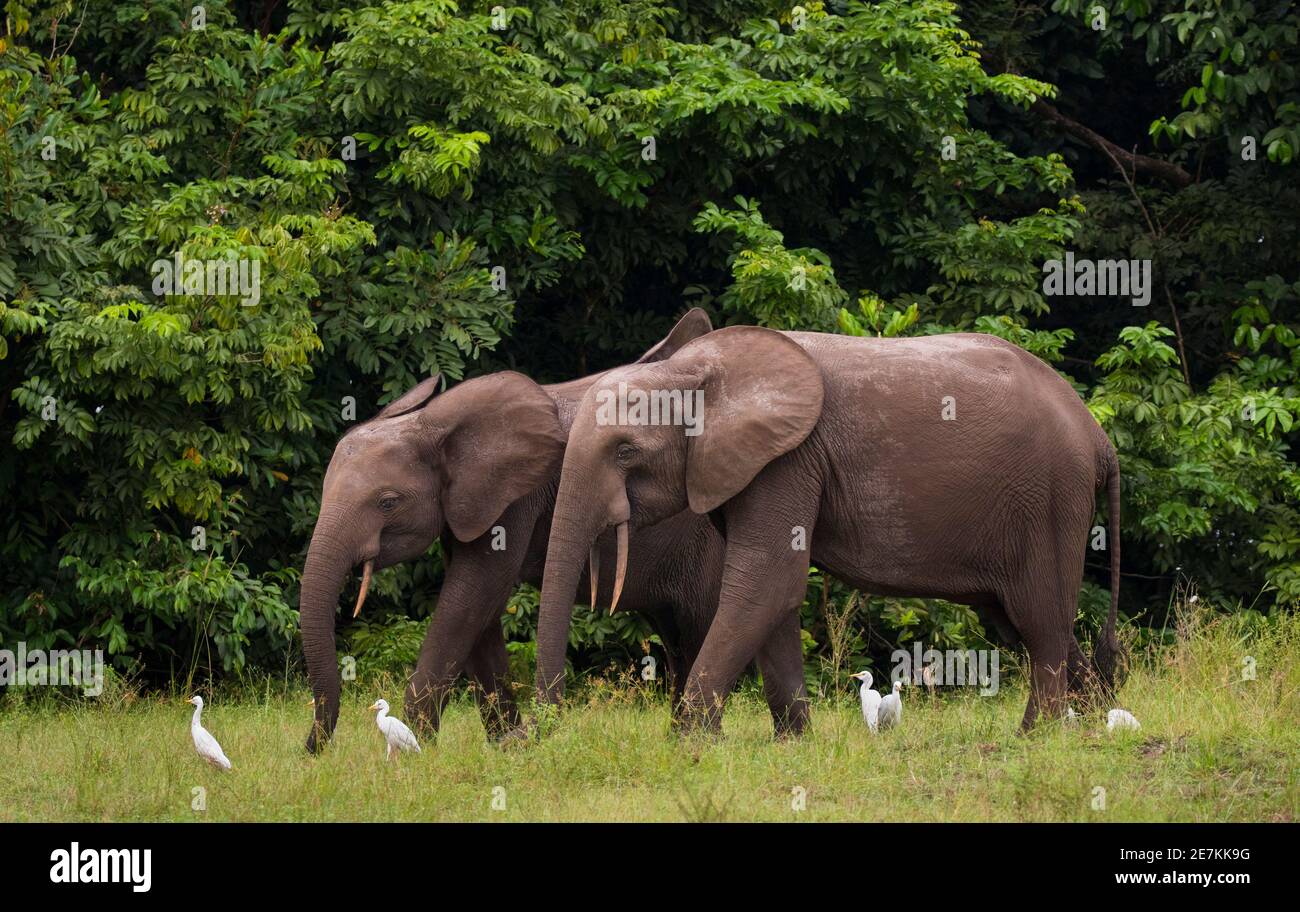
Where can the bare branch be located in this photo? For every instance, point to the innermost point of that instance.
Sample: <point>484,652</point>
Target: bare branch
<point>1145,164</point>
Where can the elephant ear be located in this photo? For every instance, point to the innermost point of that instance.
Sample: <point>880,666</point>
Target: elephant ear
<point>414,398</point>
<point>762,397</point>
<point>502,442</point>
<point>696,323</point>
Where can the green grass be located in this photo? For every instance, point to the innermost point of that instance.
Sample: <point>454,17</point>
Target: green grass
<point>1212,747</point>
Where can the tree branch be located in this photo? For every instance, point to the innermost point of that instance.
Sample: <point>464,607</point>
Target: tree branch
<point>1143,164</point>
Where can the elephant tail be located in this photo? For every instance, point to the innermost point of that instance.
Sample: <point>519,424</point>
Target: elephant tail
<point>1106,655</point>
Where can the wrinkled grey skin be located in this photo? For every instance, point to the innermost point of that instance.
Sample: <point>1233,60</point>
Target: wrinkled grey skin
<point>484,455</point>
<point>846,438</point>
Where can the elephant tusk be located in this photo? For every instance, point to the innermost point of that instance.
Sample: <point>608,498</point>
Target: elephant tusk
<point>620,566</point>
<point>593,566</point>
<point>365,586</point>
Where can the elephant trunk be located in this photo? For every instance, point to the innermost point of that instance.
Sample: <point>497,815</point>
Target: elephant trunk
<point>574,530</point>
<point>325,572</point>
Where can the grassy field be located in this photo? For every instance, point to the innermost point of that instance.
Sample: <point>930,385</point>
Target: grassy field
<point>1212,747</point>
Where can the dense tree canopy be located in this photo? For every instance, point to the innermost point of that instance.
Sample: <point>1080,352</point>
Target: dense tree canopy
<point>432,186</point>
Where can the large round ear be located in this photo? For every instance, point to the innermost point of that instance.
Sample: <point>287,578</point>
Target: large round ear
<point>501,440</point>
<point>414,398</point>
<point>695,324</point>
<point>762,397</point>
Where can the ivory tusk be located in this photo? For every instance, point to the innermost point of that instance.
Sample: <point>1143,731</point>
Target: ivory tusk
<point>365,587</point>
<point>620,566</point>
<point>593,568</point>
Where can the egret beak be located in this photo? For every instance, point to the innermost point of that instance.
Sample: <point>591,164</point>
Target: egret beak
<point>365,586</point>
<point>374,708</point>
<point>311,702</point>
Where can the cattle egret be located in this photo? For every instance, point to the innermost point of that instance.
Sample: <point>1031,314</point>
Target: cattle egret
<point>204,743</point>
<point>396,733</point>
<point>1121,718</point>
<point>891,707</point>
<point>870,699</point>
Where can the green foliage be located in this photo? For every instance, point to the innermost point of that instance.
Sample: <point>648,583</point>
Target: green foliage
<point>392,647</point>
<point>780,288</point>
<point>609,161</point>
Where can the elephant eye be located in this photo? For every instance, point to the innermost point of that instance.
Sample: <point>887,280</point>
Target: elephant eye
<point>625,452</point>
<point>388,503</point>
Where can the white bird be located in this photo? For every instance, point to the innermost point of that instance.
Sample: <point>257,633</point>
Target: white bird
<point>1071,716</point>
<point>870,699</point>
<point>1121,718</point>
<point>891,707</point>
<point>396,733</point>
<point>204,743</point>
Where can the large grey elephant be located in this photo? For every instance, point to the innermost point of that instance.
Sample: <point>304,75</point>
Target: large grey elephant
<point>479,466</point>
<point>954,466</point>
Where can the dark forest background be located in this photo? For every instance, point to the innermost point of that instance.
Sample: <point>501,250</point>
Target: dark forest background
<point>898,168</point>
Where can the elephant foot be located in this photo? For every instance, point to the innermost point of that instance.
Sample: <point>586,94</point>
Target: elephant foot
<point>513,738</point>
<point>317,739</point>
<point>694,728</point>
<point>789,732</point>
<point>791,721</point>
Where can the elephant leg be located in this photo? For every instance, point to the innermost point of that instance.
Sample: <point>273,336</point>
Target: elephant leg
<point>676,679</point>
<point>1042,606</point>
<point>681,661</point>
<point>680,650</point>
<point>990,609</point>
<point>780,661</point>
<point>764,579</point>
<point>1049,677</point>
<point>474,594</point>
<point>443,656</point>
<point>1083,681</point>
<point>489,668</point>
<point>1079,669</point>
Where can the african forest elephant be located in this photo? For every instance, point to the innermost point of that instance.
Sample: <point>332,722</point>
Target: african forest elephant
<point>953,466</point>
<point>479,466</point>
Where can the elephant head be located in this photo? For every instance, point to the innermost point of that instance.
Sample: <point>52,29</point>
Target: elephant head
<point>426,462</point>
<point>649,441</point>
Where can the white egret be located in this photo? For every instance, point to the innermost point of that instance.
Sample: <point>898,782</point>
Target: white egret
<point>1121,718</point>
<point>204,743</point>
<point>870,699</point>
<point>891,707</point>
<point>398,736</point>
